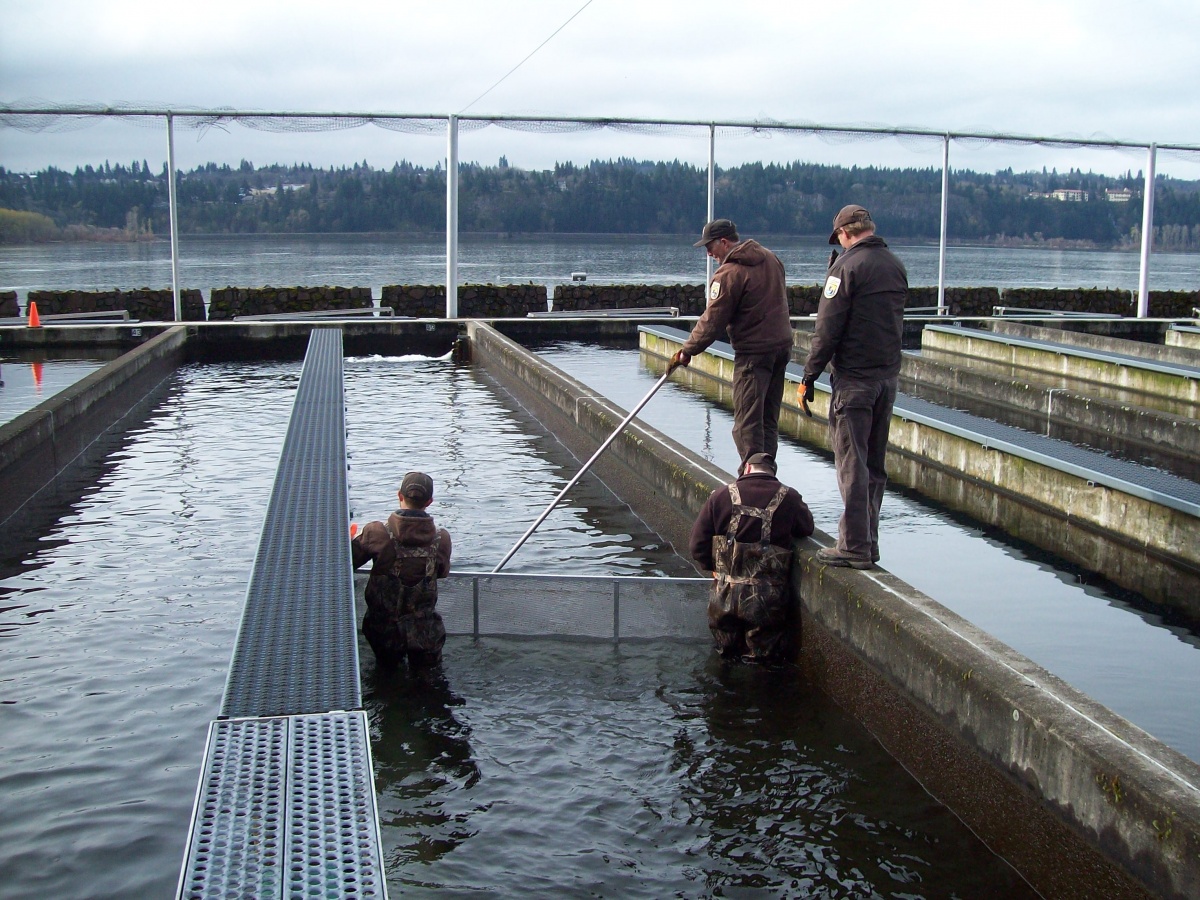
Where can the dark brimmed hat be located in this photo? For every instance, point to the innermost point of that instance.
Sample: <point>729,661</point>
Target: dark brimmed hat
<point>715,230</point>
<point>848,215</point>
<point>417,487</point>
<point>766,460</point>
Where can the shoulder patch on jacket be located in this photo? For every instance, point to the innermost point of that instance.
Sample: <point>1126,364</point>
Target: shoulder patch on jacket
<point>714,290</point>
<point>832,284</point>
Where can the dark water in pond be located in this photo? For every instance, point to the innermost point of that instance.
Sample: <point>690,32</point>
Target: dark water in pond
<point>542,766</point>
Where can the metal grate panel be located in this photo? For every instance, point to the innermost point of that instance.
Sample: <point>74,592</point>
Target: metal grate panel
<point>598,607</point>
<point>297,649</point>
<point>286,808</point>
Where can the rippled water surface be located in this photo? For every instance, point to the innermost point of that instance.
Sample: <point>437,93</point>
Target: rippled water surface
<point>562,768</point>
<point>579,770</point>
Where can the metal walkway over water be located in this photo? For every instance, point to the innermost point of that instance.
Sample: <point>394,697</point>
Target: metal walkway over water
<point>286,801</point>
<point>1122,475</point>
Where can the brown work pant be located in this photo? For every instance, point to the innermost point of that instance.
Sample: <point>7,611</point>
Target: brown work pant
<point>860,416</point>
<point>758,380</point>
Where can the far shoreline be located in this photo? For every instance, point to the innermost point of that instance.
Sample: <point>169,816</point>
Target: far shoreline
<point>999,242</point>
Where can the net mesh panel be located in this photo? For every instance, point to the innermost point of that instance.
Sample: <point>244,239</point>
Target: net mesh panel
<point>599,608</point>
<point>40,116</point>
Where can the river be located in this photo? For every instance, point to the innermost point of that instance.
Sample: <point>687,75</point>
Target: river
<point>373,261</point>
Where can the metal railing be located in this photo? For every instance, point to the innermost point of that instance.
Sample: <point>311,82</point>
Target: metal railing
<point>41,118</point>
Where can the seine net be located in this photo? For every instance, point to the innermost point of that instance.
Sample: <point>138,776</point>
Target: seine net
<point>626,607</point>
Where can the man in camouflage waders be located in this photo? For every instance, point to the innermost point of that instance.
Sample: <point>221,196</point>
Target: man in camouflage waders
<point>744,535</point>
<point>410,554</point>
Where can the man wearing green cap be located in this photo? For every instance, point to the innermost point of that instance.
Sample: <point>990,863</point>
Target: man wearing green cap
<point>410,554</point>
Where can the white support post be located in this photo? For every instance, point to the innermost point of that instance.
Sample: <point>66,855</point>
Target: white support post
<point>452,219</point>
<point>174,213</point>
<point>1143,308</point>
<point>942,308</point>
<point>712,198</point>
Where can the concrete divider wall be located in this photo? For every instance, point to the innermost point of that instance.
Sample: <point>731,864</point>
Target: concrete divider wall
<point>1187,338</point>
<point>145,304</point>
<point>9,307</point>
<point>1140,379</point>
<point>1168,441</point>
<point>1159,352</point>
<point>39,444</point>
<point>1080,801</point>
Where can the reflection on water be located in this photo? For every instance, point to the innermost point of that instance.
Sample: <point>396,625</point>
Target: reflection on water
<point>1106,642</point>
<point>553,769</point>
<point>25,382</point>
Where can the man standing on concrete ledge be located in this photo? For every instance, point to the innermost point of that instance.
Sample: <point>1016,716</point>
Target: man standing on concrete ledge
<point>747,300</point>
<point>744,535</point>
<point>860,325</point>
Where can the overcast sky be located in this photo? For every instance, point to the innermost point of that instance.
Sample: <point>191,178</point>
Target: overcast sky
<point>1051,68</point>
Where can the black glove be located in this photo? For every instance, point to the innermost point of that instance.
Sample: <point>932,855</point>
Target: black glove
<point>810,388</point>
<point>680,359</point>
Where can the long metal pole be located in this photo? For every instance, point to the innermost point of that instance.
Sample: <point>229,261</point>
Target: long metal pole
<point>174,213</point>
<point>1147,235</point>
<point>942,310</point>
<point>587,465</point>
<point>452,219</point>
<point>712,197</point>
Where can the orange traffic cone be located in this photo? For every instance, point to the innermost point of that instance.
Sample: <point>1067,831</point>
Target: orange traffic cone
<point>35,320</point>
<point>353,529</point>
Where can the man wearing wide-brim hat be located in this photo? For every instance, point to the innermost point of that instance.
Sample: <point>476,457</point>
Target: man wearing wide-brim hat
<point>747,300</point>
<point>860,324</point>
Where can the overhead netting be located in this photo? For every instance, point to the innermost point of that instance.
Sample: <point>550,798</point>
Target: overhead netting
<point>622,608</point>
<point>40,116</point>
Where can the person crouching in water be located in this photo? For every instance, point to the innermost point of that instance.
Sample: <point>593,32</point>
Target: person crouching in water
<point>744,535</point>
<point>410,554</point>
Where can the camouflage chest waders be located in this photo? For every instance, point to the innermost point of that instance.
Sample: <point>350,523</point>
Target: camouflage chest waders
<point>747,612</point>
<point>401,619</point>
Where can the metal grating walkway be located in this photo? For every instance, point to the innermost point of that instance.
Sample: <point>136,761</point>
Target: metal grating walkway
<point>286,801</point>
<point>286,808</point>
<point>297,647</point>
<point>1122,475</point>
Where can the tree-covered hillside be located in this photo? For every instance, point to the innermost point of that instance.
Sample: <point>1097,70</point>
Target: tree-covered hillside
<point>615,196</point>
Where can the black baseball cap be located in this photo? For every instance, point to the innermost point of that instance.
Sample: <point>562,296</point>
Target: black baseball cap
<point>848,215</point>
<point>417,487</point>
<point>715,230</point>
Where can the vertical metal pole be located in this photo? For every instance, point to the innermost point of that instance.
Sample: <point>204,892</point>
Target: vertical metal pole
<point>942,310</point>
<point>452,219</point>
<point>1143,309</point>
<point>475,606</point>
<point>616,611</point>
<point>712,197</point>
<point>174,213</point>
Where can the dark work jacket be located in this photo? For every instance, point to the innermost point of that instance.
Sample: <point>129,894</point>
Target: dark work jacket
<point>747,300</point>
<point>792,521</point>
<point>860,322</point>
<point>413,528</point>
